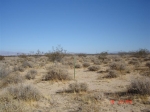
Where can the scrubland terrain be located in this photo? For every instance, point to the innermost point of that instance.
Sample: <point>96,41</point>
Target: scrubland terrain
<point>110,83</point>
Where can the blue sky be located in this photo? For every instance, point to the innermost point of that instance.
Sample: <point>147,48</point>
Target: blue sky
<point>88,26</point>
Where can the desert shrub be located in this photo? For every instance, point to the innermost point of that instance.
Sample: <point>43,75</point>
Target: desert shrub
<point>12,79</point>
<point>78,87</point>
<point>118,66</point>
<point>57,54</point>
<point>26,64</point>
<point>56,73</point>
<point>97,62</point>
<point>81,55</point>
<point>141,53</point>
<point>24,92</point>
<point>102,56</point>
<point>146,73</point>
<point>93,68</point>
<point>23,55</point>
<point>148,64</point>
<point>2,57</point>
<point>31,74</point>
<point>134,62</point>
<point>140,86</point>
<point>18,68</point>
<point>78,65</point>
<point>111,74</point>
<point>86,64</point>
<point>147,59</point>
<point>8,104</point>
<point>4,71</point>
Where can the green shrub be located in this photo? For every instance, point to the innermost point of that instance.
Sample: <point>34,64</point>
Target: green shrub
<point>57,54</point>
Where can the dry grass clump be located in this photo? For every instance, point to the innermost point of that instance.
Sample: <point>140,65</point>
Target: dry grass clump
<point>86,64</point>
<point>56,73</point>
<point>24,92</point>
<point>93,68</point>
<point>111,74</point>
<point>140,86</point>
<point>148,64</point>
<point>4,71</point>
<point>31,74</point>
<point>77,87</point>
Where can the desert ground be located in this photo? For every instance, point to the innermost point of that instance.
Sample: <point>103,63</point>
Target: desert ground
<point>76,83</point>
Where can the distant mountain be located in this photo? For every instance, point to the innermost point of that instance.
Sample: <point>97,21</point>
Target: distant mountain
<point>7,53</point>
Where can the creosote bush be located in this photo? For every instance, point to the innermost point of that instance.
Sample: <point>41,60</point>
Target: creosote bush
<point>140,86</point>
<point>93,68</point>
<point>24,92</point>
<point>78,87</point>
<point>141,53</point>
<point>31,74</point>
<point>57,54</point>
<point>56,73</point>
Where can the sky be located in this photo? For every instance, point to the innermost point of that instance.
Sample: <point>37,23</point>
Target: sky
<point>78,26</point>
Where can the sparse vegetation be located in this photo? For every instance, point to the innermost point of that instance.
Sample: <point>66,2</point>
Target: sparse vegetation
<point>89,91</point>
